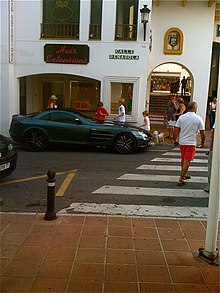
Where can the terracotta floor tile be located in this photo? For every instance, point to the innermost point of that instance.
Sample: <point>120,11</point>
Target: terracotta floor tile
<point>175,245</point>
<point>69,229</point>
<point>15,239</point>
<point>179,258</point>
<point>145,232</point>
<point>166,223</point>
<point>186,288</point>
<point>122,273</point>
<point>143,222</point>
<point>148,257</point>
<point>186,275</point>
<point>120,231</point>
<point>92,242</point>
<point>8,251</point>
<point>85,286</point>
<point>31,253</point>
<point>156,287</point>
<point>3,264</point>
<point>147,244</point>
<point>16,284</point>
<point>214,289</point>
<point>88,271</point>
<point>3,226</point>
<point>24,219</point>
<point>168,233</point>
<point>7,218</point>
<point>120,287</point>
<point>23,228</point>
<point>73,220</point>
<point>55,270</point>
<point>118,221</point>
<point>90,255</point>
<point>196,244</point>
<point>22,268</point>
<point>49,285</point>
<point>94,230</point>
<point>120,256</point>
<point>97,221</point>
<point>38,240</point>
<point>61,254</point>
<point>211,274</point>
<point>151,273</point>
<point>44,229</point>
<point>65,241</point>
<point>195,234</point>
<point>190,224</point>
<point>118,242</point>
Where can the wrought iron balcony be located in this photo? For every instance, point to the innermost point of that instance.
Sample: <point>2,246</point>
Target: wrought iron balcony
<point>95,31</point>
<point>60,30</point>
<point>125,32</point>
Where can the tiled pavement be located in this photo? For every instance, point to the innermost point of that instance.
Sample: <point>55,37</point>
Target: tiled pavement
<point>87,253</point>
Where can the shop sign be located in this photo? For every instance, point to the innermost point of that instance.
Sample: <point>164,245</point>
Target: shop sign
<point>66,54</point>
<point>124,54</point>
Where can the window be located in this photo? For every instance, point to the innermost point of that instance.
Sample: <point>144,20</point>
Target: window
<point>63,117</point>
<point>121,90</point>
<point>60,19</point>
<point>95,20</point>
<point>126,20</point>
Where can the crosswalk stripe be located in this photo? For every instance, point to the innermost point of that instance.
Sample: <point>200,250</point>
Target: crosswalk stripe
<point>178,154</point>
<point>136,210</point>
<point>160,178</point>
<point>130,190</point>
<point>170,168</point>
<point>197,149</point>
<point>177,160</point>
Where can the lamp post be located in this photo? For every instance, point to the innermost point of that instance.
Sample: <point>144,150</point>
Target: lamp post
<point>145,17</point>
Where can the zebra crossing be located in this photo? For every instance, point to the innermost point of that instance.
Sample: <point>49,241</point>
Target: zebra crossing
<point>152,190</point>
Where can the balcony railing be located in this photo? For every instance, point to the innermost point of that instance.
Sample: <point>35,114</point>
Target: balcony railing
<point>125,32</point>
<point>95,31</point>
<point>60,30</point>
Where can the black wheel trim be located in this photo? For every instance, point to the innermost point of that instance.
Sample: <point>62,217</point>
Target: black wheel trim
<point>36,140</point>
<point>125,143</point>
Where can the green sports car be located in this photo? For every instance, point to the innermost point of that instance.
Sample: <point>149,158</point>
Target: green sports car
<point>38,131</point>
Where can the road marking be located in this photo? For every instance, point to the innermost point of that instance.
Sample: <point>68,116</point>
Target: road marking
<point>170,168</point>
<point>33,178</point>
<point>66,183</point>
<point>177,160</point>
<point>160,178</point>
<point>130,190</point>
<point>136,210</point>
<point>197,149</point>
<point>178,154</point>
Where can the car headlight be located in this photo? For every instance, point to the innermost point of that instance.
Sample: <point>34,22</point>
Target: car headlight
<point>10,147</point>
<point>143,135</point>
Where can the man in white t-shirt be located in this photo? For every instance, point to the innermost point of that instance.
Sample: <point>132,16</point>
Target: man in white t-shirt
<point>185,135</point>
<point>121,111</point>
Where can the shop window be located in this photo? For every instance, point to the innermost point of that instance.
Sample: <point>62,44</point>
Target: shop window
<point>60,19</point>
<point>126,20</point>
<point>118,91</point>
<point>53,88</point>
<point>95,20</point>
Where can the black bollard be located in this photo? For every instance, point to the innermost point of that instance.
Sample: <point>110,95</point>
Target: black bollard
<point>50,214</point>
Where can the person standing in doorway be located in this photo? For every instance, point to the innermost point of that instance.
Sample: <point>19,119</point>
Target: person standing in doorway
<point>52,102</point>
<point>121,111</point>
<point>212,110</point>
<point>185,135</point>
<point>101,113</point>
<point>183,86</point>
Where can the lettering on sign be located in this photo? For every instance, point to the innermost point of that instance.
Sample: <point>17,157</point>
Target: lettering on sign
<point>124,54</point>
<point>66,54</point>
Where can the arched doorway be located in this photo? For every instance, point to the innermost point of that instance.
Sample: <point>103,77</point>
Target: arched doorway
<point>164,81</point>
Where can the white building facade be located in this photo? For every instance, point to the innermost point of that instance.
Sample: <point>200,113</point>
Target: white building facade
<point>84,51</point>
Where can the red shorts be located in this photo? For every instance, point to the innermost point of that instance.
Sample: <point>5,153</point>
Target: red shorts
<point>187,152</point>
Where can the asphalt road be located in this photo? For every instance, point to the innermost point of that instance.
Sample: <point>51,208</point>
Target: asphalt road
<point>80,172</point>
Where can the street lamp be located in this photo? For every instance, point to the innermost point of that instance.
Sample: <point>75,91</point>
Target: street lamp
<point>145,17</point>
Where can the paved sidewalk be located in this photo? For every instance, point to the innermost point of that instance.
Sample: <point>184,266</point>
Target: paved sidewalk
<point>87,253</point>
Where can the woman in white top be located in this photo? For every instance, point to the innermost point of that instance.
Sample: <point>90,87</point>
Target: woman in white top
<point>212,109</point>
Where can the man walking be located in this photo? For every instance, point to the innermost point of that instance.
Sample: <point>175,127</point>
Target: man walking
<point>185,135</point>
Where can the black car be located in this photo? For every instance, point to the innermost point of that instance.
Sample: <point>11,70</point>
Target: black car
<point>8,156</point>
<point>37,131</point>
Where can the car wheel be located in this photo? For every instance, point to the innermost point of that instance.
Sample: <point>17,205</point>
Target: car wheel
<point>36,141</point>
<point>125,143</point>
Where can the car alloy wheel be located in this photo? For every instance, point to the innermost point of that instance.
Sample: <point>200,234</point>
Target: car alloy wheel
<point>125,143</point>
<point>35,140</point>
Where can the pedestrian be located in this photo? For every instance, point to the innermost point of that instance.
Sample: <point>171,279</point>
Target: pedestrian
<point>121,111</point>
<point>185,135</point>
<point>181,108</point>
<point>212,110</point>
<point>170,115</point>
<point>52,102</point>
<point>207,188</point>
<point>183,86</point>
<point>101,113</point>
<point>146,124</point>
